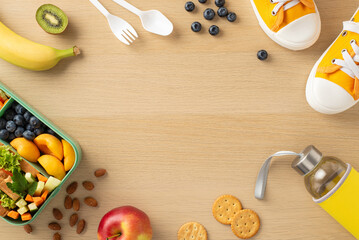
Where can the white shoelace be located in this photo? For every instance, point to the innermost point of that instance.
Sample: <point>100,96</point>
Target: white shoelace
<point>348,65</point>
<point>286,3</point>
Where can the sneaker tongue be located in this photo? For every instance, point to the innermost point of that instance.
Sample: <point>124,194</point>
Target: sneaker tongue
<point>356,16</point>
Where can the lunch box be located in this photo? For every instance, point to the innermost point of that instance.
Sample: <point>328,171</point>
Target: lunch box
<point>13,98</point>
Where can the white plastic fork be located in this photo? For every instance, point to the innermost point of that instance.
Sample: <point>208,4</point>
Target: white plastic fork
<point>122,29</point>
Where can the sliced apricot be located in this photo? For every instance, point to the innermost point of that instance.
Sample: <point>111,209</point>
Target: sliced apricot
<point>26,149</point>
<point>69,155</point>
<point>49,144</point>
<point>52,166</point>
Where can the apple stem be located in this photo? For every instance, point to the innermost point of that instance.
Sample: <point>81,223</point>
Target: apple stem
<point>117,235</point>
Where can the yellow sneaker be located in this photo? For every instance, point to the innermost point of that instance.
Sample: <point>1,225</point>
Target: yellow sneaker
<point>293,24</point>
<point>333,84</point>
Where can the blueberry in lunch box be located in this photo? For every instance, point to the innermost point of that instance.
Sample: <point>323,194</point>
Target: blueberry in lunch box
<point>209,14</point>
<point>11,137</point>
<point>39,131</point>
<point>35,122</point>
<point>232,17</point>
<point>10,126</point>
<point>4,134</point>
<point>20,109</point>
<point>222,12</point>
<point>50,131</point>
<point>19,131</point>
<point>2,123</point>
<point>29,127</point>
<point>189,6</point>
<point>220,3</point>
<point>196,27</point>
<point>9,114</point>
<point>213,30</point>
<point>19,120</point>
<point>27,116</point>
<point>29,135</point>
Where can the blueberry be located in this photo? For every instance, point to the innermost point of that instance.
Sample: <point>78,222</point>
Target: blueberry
<point>35,122</point>
<point>209,14</point>
<point>11,126</point>
<point>4,134</point>
<point>19,120</point>
<point>202,1</point>
<point>2,123</point>
<point>19,131</point>
<point>262,55</point>
<point>30,128</point>
<point>29,135</point>
<point>189,6</point>
<point>9,114</point>
<point>11,137</point>
<point>27,116</point>
<point>213,30</point>
<point>232,17</point>
<point>220,3</point>
<point>50,131</point>
<point>196,27</point>
<point>222,12</point>
<point>20,109</point>
<point>39,131</point>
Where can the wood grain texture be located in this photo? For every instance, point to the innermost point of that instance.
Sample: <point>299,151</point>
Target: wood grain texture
<point>180,120</point>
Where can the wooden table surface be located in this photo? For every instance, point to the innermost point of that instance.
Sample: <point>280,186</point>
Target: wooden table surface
<point>181,120</point>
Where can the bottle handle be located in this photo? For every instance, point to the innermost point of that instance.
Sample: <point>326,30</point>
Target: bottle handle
<point>262,177</point>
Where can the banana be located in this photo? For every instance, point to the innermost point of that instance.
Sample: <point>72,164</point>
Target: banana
<point>28,54</point>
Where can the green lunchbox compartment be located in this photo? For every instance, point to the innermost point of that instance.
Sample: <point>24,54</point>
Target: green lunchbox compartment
<point>73,143</point>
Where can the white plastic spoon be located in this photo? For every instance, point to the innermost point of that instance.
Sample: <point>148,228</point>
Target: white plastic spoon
<point>153,21</point>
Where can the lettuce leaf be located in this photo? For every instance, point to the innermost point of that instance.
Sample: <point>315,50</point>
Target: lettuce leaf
<point>8,160</point>
<point>6,201</point>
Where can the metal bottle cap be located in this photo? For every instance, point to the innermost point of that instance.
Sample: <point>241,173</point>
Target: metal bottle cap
<point>307,161</point>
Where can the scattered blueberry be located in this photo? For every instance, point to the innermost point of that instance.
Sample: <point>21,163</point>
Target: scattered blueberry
<point>29,135</point>
<point>10,126</point>
<point>213,30</point>
<point>209,14</point>
<point>11,137</point>
<point>189,6</point>
<point>20,109</point>
<point>222,12</point>
<point>220,3</point>
<point>35,122</point>
<point>232,17</point>
<point>39,131</point>
<point>4,134</point>
<point>9,114</point>
<point>2,123</point>
<point>27,116</point>
<point>196,27</point>
<point>262,55</point>
<point>30,128</point>
<point>19,131</point>
<point>202,1</point>
<point>19,120</point>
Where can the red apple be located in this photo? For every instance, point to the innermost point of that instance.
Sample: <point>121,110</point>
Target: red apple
<point>125,223</point>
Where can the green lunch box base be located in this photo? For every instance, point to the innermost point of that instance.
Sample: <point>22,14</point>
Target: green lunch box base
<point>78,154</point>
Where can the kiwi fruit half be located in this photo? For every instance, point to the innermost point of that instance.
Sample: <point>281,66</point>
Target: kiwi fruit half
<point>52,19</point>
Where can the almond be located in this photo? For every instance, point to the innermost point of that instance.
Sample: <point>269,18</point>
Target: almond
<point>73,219</point>
<point>71,188</point>
<point>100,172</point>
<point>68,202</point>
<point>28,228</point>
<point>54,226</point>
<point>76,204</point>
<point>90,201</point>
<point>57,236</point>
<point>88,185</point>
<point>57,214</point>
<point>80,226</point>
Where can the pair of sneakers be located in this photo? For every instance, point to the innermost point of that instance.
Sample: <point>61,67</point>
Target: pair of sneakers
<point>333,84</point>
